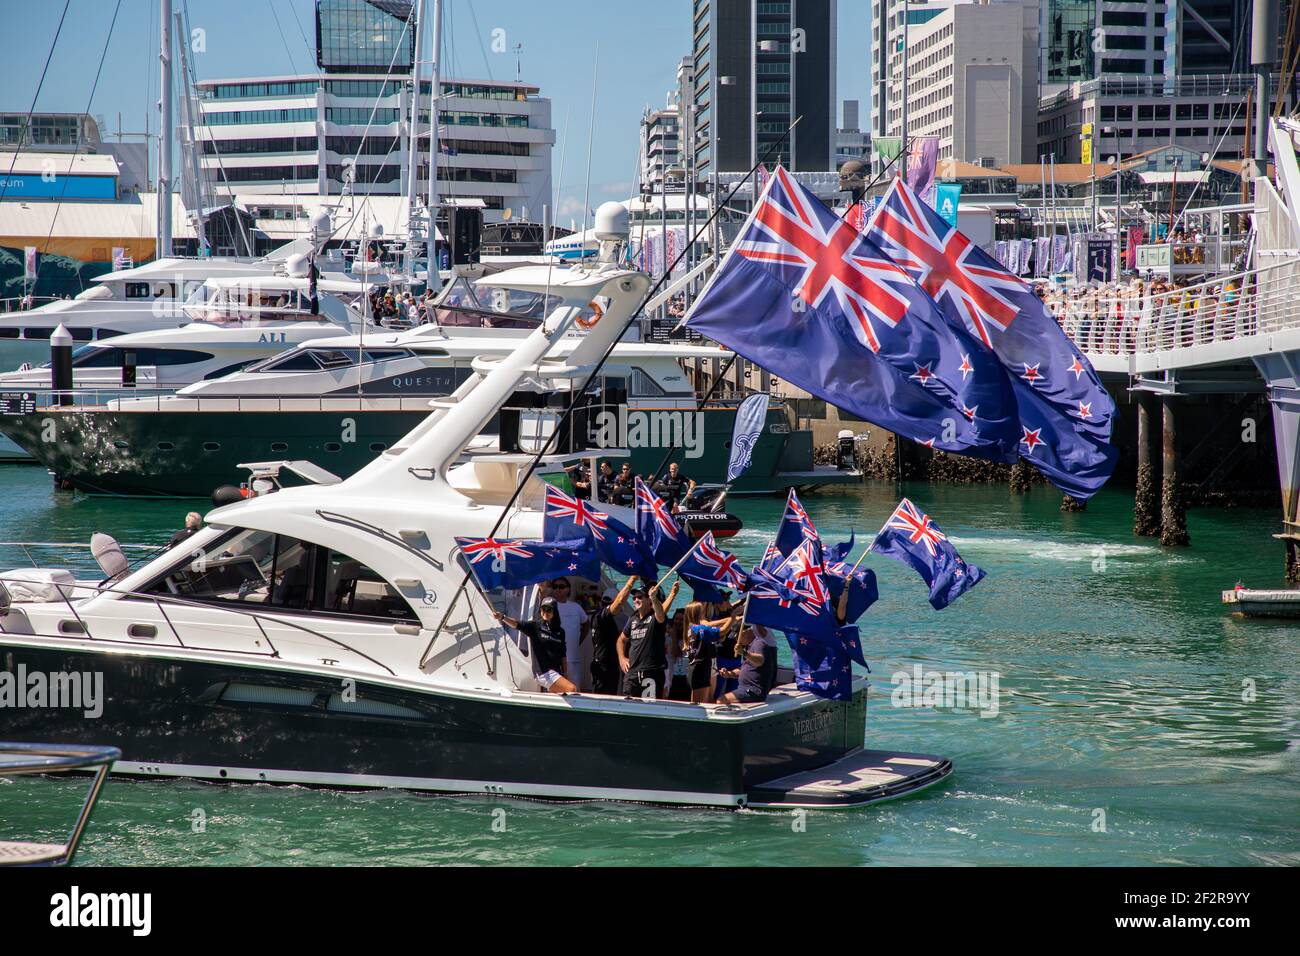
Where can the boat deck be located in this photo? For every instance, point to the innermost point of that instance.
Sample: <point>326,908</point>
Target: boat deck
<point>867,776</point>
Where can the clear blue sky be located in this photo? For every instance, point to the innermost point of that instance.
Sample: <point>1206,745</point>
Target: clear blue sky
<point>639,46</point>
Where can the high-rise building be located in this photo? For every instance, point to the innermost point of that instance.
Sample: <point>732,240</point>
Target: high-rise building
<point>1067,35</point>
<point>661,150</point>
<point>970,75</point>
<point>758,64</point>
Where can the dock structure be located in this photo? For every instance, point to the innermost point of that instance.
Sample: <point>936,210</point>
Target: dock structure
<point>1235,335</point>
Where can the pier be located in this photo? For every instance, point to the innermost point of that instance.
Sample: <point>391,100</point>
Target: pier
<point>1235,337</point>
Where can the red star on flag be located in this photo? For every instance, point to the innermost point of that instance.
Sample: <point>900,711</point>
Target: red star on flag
<point>1077,368</point>
<point>1031,439</point>
<point>969,411</point>
<point>965,367</point>
<point>1031,373</point>
<point>1085,409</point>
<point>922,373</point>
<point>928,443</point>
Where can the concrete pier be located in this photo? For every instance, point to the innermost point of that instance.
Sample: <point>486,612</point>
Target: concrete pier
<point>1173,510</point>
<point>1146,502</point>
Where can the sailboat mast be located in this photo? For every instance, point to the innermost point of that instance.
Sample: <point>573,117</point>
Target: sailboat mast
<point>412,142</point>
<point>165,131</point>
<point>434,279</point>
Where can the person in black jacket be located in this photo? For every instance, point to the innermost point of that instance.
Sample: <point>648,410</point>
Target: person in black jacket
<point>546,637</point>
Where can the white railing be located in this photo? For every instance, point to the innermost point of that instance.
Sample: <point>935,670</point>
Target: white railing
<point>1120,322</point>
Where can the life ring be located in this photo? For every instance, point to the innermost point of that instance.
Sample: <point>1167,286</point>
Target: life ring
<point>591,323</point>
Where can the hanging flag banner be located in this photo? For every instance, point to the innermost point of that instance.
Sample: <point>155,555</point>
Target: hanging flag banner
<point>887,147</point>
<point>922,159</point>
<point>947,197</point>
<point>1099,260</point>
<point>119,257</point>
<point>29,262</point>
<point>1135,236</point>
<point>750,418</point>
<point>1085,140</point>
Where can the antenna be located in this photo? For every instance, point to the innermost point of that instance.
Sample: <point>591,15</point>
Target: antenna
<point>519,62</point>
<point>591,135</point>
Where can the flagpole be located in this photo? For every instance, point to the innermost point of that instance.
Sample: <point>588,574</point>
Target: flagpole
<point>862,558</point>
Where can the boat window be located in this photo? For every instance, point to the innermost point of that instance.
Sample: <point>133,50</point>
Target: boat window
<point>293,361</point>
<point>387,355</point>
<point>100,356</point>
<point>459,295</point>
<point>644,386</point>
<point>335,358</point>
<point>137,290</point>
<point>349,587</point>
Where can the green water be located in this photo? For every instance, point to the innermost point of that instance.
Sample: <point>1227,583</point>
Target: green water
<point>1121,692</point>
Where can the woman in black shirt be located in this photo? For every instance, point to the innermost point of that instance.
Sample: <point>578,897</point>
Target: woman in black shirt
<point>547,639</point>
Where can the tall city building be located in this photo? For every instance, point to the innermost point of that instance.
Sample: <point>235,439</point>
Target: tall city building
<point>346,129</point>
<point>1067,31</point>
<point>851,142</point>
<point>969,71</point>
<point>758,64</point>
<point>661,146</point>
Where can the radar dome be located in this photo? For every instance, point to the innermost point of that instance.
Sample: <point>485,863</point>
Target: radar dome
<point>297,266</point>
<point>612,222</point>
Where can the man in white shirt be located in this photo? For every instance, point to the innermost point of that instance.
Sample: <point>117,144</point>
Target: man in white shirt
<point>574,621</point>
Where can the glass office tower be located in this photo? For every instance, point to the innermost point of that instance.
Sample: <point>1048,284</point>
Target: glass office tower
<point>364,36</point>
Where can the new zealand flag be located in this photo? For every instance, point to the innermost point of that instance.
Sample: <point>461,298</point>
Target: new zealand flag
<point>616,544</point>
<point>498,563</point>
<point>1065,414</point>
<point>803,293</point>
<point>911,537</point>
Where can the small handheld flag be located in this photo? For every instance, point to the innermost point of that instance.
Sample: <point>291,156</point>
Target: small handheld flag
<point>910,536</point>
<point>498,563</point>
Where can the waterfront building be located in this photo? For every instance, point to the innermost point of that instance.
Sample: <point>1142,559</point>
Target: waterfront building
<point>757,64</point>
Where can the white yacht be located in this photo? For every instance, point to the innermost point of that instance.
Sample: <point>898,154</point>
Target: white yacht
<point>331,634</point>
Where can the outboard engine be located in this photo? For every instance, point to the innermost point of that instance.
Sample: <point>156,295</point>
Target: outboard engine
<point>846,457</point>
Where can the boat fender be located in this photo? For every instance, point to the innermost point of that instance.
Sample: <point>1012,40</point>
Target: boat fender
<point>108,554</point>
<point>598,314</point>
<point>227,495</point>
<point>696,523</point>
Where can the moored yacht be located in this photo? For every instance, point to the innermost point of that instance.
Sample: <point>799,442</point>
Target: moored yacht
<point>330,634</point>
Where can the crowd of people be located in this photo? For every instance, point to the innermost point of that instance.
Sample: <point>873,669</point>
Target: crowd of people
<point>619,487</point>
<point>1148,312</point>
<point>401,311</point>
<point>629,643</point>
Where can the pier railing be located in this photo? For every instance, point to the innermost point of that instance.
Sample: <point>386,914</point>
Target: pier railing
<point>1124,322</point>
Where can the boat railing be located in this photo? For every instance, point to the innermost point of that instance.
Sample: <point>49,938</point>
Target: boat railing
<point>29,758</point>
<point>21,303</point>
<point>158,600</point>
<point>38,401</point>
<point>1224,309</point>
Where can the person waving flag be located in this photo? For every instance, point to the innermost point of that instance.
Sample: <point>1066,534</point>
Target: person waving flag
<point>803,293</point>
<point>1065,414</point>
<point>796,527</point>
<point>910,536</point>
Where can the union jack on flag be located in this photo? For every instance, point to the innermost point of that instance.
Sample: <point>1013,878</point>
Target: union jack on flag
<point>725,568</point>
<point>565,508</point>
<point>828,257</point>
<point>796,527</point>
<point>806,572</point>
<point>911,536</point>
<point>917,525</point>
<point>482,549</point>
<point>657,528</point>
<point>945,263</point>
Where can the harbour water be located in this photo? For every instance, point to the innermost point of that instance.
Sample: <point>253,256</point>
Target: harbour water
<point>1137,723</point>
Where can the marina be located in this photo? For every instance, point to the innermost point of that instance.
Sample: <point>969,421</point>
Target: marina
<point>834,493</point>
